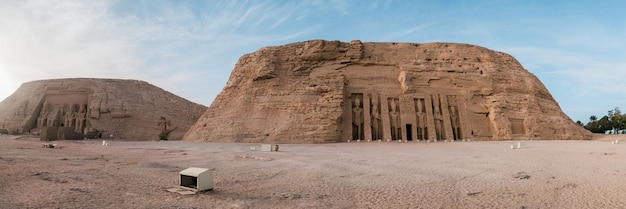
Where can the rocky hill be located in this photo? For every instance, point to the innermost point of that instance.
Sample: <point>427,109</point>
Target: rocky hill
<point>329,91</point>
<point>107,108</point>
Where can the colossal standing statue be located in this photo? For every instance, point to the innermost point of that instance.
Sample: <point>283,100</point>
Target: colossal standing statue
<point>357,120</point>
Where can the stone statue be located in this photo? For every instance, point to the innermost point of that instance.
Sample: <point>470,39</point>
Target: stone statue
<point>420,120</point>
<point>64,110</point>
<point>376,130</point>
<point>454,119</point>
<point>81,118</point>
<point>42,120</point>
<point>53,117</point>
<point>70,116</point>
<point>438,123</point>
<point>357,120</point>
<point>395,122</point>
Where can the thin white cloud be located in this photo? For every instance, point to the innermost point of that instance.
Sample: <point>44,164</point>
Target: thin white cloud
<point>379,4</point>
<point>44,39</point>
<point>407,33</point>
<point>582,70</point>
<point>161,42</point>
<point>342,6</point>
<point>597,78</point>
<point>589,34</point>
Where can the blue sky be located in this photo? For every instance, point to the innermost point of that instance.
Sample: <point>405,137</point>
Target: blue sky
<point>576,48</point>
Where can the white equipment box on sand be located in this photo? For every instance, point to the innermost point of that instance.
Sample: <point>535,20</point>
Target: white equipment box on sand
<point>196,179</point>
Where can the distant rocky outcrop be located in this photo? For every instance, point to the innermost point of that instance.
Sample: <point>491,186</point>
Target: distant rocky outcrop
<point>329,91</point>
<point>91,108</point>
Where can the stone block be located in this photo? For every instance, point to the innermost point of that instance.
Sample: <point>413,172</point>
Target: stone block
<point>68,133</point>
<point>48,134</point>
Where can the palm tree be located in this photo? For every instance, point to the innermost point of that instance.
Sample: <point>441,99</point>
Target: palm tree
<point>163,123</point>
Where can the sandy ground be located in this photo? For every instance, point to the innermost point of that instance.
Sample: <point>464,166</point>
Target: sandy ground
<point>544,174</point>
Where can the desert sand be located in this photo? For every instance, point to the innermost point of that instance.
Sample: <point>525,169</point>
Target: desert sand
<point>487,174</point>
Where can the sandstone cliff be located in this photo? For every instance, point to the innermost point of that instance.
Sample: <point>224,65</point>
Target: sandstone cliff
<point>329,91</point>
<point>125,109</point>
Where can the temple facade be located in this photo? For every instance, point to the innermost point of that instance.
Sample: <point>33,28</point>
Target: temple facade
<point>432,106</point>
<point>431,117</point>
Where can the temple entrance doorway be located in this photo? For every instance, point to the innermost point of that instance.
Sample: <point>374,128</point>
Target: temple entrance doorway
<point>409,132</point>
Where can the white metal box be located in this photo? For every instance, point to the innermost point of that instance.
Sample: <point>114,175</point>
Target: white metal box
<point>197,179</point>
<point>269,147</point>
<point>266,147</point>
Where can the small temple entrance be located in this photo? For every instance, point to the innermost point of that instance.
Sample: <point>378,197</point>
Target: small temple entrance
<point>409,132</point>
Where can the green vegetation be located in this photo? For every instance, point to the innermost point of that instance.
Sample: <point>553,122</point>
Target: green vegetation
<point>163,123</point>
<point>613,123</point>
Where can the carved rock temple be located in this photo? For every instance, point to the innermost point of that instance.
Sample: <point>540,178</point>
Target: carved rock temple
<point>329,91</point>
<point>80,108</point>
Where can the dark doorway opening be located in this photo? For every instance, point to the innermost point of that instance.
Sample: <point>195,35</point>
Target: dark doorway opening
<point>409,132</point>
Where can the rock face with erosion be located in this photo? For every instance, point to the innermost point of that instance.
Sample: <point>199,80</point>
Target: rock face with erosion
<point>329,91</point>
<point>84,107</point>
